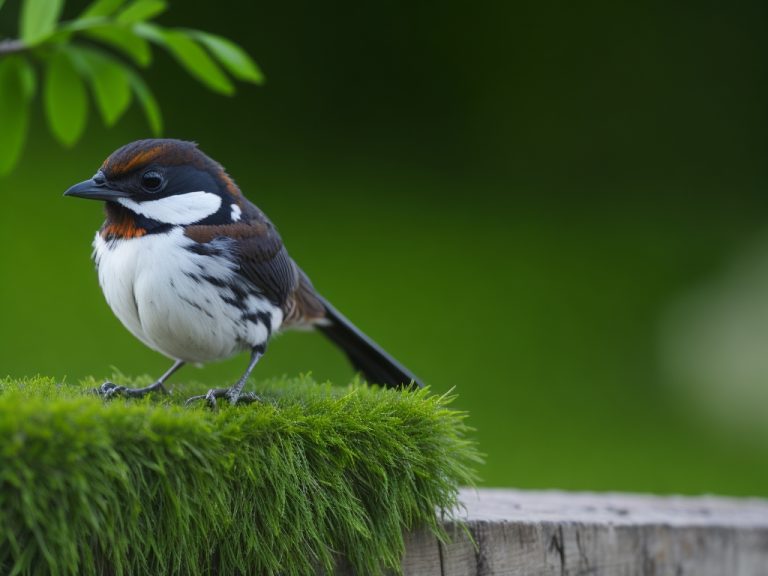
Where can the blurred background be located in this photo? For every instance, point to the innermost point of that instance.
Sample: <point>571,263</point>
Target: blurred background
<point>559,210</point>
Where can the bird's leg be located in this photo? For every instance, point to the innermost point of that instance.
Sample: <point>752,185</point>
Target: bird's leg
<point>110,389</point>
<point>234,393</point>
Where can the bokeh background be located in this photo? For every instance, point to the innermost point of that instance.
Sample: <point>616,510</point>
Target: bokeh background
<point>559,210</point>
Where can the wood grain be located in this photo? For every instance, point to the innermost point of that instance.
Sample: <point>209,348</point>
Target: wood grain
<point>557,533</point>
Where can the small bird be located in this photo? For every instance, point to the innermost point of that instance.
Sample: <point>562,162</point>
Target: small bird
<point>198,273</point>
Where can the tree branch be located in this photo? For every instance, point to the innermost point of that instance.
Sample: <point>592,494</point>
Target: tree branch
<point>11,47</point>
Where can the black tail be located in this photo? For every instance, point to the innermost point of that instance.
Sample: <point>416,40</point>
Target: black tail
<point>376,365</point>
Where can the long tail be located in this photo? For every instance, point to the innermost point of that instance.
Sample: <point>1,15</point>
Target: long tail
<point>377,366</point>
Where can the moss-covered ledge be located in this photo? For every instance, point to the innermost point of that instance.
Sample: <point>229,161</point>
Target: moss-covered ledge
<point>286,486</point>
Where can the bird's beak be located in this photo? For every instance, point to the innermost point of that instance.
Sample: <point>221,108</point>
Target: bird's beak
<point>95,191</point>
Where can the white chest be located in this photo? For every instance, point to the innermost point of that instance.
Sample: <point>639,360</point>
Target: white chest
<point>177,301</point>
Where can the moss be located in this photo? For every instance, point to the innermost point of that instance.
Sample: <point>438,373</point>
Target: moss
<point>285,486</point>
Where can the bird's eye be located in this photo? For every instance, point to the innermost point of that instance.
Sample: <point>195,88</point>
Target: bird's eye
<point>152,181</point>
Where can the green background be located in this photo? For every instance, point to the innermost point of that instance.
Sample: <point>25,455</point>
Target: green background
<point>558,209</point>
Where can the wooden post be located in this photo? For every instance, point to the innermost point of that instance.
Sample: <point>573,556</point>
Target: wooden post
<point>558,533</point>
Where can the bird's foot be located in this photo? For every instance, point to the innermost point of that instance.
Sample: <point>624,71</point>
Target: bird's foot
<point>111,390</point>
<point>230,394</point>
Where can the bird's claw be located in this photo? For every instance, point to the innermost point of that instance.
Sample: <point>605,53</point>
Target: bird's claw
<point>110,390</point>
<point>215,393</point>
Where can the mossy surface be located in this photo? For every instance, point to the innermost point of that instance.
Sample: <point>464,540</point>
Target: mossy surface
<point>281,487</point>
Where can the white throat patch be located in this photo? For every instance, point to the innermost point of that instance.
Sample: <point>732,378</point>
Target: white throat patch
<point>180,209</point>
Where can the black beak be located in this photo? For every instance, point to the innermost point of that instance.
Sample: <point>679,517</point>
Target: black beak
<point>94,190</point>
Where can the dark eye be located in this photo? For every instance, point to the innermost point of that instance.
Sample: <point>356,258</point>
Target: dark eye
<point>152,181</point>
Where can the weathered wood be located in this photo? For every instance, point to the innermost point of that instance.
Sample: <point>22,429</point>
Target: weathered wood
<point>556,533</point>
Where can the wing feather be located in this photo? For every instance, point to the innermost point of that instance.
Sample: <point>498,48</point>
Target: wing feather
<point>258,250</point>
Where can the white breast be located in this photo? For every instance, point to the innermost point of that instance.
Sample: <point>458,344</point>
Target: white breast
<point>156,286</point>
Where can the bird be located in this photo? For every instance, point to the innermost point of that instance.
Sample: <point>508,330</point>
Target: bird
<point>198,273</point>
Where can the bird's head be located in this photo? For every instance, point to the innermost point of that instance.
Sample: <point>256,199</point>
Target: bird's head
<point>163,182</point>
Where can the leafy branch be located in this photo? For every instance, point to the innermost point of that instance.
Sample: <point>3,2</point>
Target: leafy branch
<point>100,49</point>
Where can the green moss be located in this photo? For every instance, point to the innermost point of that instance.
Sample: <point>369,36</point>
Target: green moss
<point>151,487</point>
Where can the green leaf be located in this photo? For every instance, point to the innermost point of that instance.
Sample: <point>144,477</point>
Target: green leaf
<point>148,103</point>
<point>1,4</point>
<point>102,8</point>
<point>65,30</point>
<point>66,103</point>
<point>142,10</point>
<point>151,32</point>
<point>190,55</point>
<point>109,82</point>
<point>14,110</point>
<point>28,78</point>
<point>124,40</point>
<point>231,56</point>
<point>38,19</point>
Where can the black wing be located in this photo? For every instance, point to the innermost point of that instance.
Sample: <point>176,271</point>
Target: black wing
<point>264,262</point>
<point>258,249</point>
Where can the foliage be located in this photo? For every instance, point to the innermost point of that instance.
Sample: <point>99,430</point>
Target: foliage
<point>94,50</point>
<point>283,486</point>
